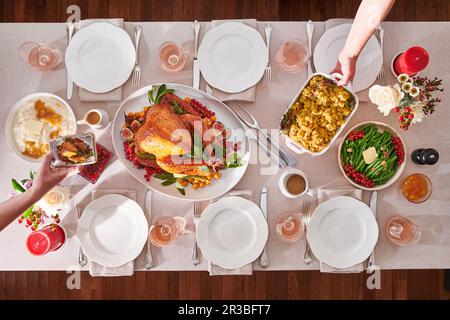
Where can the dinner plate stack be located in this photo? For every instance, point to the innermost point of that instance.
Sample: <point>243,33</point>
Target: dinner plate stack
<point>112,230</point>
<point>232,232</point>
<point>232,57</point>
<point>100,57</point>
<point>342,232</point>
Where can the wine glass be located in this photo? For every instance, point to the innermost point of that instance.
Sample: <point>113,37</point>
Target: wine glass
<point>289,226</point>
<point>166,230</point>
<point>40,56</point>
<point>292,56</point>
<point>402,231</point>
<point>172,57</point>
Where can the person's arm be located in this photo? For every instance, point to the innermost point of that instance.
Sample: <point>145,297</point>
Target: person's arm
<point>45,180</point>
<point>370,14</point>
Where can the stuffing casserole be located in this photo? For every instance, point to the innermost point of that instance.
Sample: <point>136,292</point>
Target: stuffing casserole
<point>315,117</point>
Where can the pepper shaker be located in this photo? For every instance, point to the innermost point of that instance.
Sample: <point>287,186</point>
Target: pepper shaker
<point>422,156</point>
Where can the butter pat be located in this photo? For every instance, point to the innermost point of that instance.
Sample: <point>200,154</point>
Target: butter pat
<point>34,127</point>
<point>370,155</point>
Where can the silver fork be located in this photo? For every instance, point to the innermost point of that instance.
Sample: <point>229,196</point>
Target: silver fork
<point>382,75</point>
<point>81,257</point>
<point>306,212</point>
<point>268,70</point>
<point>197,215</point>
<point>137,69</point>
<point>290,161</point>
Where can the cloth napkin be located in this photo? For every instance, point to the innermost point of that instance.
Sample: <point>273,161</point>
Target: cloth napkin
<point>326,194</point>
<point>215,270</point>
<point>248,95</point>
<point>97,270</point>
<point>114,95</point>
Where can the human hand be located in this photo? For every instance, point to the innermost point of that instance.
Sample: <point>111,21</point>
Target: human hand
<point>48,177</point>
<point>346,66</point>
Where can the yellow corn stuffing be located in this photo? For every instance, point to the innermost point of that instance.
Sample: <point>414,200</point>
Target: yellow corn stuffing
<point>318,113</point>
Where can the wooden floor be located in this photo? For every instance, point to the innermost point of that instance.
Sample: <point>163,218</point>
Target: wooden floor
<point>407,284</point>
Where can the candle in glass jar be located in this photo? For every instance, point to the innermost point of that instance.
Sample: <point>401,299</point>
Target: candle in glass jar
<point>48,239</point>
<point>412,61</point>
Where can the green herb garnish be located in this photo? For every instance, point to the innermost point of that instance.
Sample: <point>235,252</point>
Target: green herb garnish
<point>155,97</point>
<point>177,109</point>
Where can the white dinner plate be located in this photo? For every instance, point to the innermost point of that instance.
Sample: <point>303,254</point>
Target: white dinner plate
<point>112,230</point>
<point>232,232</point>
<point>230,177</point>
<point>369,62</point>
<point>342,232</point>
<point>100,57</point>
<point>232,57</point>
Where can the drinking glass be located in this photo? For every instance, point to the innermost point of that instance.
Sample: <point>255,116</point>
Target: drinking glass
<point>166,230</point>
<point>172,57</point>
<point>292,55</point>
<point>402,231</point>
<point>48,239</point>
<point>289,226</point>
<point>40,56</point>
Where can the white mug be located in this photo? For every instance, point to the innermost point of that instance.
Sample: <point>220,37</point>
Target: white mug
<point>100,124</point>
<point>289,172</point>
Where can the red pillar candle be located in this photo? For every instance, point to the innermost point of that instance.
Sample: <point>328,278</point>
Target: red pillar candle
<point>412,61</point>
<point>48,239</point>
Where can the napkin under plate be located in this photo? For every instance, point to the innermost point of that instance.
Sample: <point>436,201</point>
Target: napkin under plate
<point>327,194</point>
<point>113,95</point>
<point>248,95</point>
<point>97,270</point>
<point>215,270</point>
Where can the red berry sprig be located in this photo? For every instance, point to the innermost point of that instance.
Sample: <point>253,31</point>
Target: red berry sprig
<point>356,135</point>
<point>358,177</point>
<point>131,156</point>
<point>200,108</point>
<point>399,150</point>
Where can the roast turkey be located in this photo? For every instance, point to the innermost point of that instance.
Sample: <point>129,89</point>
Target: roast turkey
<point>168,136</point>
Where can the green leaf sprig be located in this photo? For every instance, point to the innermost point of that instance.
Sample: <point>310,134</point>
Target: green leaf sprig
<point>154,97</point>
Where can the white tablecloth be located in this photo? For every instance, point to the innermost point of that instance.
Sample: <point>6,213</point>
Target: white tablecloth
<point>433,216</point>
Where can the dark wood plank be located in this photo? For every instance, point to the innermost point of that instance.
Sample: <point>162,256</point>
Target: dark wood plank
<point>442,10</point>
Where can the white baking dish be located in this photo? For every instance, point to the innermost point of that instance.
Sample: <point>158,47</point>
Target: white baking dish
<point>296,147</point>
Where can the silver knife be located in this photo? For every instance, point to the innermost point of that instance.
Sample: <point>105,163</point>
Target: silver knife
<point>196,74</point>
<point>148,209</point>
<point>264,258</point>
<point>373,207</point>
<point>279,161</point>
<point>310,32</point>
<point>70,31</point>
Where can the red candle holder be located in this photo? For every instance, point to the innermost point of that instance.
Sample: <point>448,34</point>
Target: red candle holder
<point>411,61</point>
<point>48,239</point>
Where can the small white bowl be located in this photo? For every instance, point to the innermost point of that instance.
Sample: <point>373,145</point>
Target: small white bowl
<point>399,169</point>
